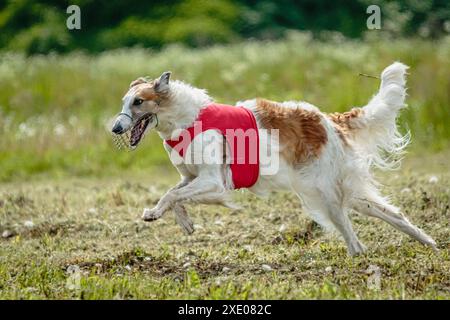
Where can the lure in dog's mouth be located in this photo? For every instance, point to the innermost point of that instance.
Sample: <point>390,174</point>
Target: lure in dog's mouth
<point>131,138</point>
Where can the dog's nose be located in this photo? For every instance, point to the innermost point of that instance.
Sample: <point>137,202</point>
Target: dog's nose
<point>117,129</point>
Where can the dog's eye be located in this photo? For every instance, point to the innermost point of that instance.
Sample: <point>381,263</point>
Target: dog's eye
<point>137,101</point>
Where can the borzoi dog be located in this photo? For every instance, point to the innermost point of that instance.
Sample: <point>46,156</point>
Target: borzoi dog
<point>326,159</point>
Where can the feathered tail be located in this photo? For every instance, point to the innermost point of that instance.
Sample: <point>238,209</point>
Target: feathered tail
<point>373,128</point>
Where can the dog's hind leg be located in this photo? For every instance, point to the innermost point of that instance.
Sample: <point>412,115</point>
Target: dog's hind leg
<point>327,211</point>
<point>343,224</point>
<point>379,208</point>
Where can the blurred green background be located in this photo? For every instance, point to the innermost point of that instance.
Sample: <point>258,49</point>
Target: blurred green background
<point>39,26</point>
<point>59,88</point>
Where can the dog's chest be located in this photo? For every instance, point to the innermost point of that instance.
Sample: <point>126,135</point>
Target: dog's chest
<point>219,123</point>
<point>205,151</point>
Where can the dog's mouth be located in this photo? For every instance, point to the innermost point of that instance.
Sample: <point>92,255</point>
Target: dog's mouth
<point>139,127</point>
<point>131,137</point>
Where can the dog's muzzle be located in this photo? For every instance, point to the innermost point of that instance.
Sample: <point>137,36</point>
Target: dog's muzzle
<point>117,129</point>
<point>130,136</point>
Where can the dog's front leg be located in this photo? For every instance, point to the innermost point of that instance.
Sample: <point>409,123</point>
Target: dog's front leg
<point>200,190</point>
<point>206,187</point>
<point>182,218</point>
<point>147,212</point>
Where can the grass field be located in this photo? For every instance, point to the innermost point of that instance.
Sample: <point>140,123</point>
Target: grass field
<point>82,238</point>
<point>70,204</point>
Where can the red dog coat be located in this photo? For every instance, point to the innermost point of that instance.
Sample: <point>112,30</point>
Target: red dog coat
<point>238,125</point>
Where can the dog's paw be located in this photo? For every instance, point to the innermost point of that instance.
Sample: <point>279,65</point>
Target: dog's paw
<point>357,249</point>
<point>151,214</point>
<point>234,207</point>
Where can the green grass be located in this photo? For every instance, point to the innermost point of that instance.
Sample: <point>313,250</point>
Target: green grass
<point>94,226</point>
<point>54,109</point>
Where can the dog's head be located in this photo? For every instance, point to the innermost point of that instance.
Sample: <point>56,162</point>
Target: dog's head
<point>140,107</point>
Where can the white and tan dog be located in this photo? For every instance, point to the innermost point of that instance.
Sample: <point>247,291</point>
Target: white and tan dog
<point>323,158</point>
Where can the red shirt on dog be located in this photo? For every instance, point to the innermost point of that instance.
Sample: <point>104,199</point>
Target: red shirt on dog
<point>239,127</point>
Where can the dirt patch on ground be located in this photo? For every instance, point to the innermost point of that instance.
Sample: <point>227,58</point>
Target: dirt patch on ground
<point>40,230</point>
<point>135,261</point>
<point>312,231</point>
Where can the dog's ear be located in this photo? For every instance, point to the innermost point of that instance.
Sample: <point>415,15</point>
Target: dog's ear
<point>162,84</point>
<point>137,81</point>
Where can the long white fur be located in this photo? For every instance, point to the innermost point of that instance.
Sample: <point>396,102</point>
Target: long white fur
<point>330,186</point>
<point>378,136</point>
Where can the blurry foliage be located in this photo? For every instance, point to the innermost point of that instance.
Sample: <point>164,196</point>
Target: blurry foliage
<point>39,26</point>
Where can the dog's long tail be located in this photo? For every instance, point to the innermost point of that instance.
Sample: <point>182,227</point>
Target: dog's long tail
<point>373,128</point>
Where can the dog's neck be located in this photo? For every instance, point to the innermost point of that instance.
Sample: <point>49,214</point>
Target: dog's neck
<point>181,108</point>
